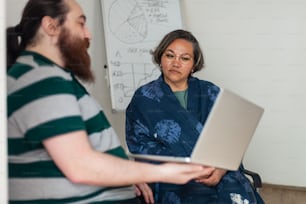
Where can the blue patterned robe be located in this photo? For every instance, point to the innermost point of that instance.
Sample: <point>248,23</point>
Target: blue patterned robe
<point>156,123</point>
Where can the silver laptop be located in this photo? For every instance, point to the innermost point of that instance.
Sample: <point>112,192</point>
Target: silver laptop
<point>225,136</point>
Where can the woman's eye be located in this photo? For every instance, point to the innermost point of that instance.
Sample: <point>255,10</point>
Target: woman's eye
<point>186,59</point>
<point>169,56</point>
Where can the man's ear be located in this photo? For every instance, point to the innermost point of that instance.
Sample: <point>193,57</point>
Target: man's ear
<point>50,25</point>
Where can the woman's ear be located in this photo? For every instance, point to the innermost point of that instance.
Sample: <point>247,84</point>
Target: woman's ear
<point>50,25</point>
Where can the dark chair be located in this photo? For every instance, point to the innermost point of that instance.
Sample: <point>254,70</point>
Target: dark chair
<point>254,177</point>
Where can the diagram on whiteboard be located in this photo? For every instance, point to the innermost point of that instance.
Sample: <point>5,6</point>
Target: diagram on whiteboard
<point>132,29</point>
<point>127,21</point>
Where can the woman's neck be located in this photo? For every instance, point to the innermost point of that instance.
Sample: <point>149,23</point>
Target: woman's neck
<point>182,86</point>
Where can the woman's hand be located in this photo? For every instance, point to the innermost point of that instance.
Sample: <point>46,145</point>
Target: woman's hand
<point>144,190</point>
<point>213,179</point>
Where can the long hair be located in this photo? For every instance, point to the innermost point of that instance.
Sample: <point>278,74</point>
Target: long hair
<point>180,34</point>
<point>24,33</point>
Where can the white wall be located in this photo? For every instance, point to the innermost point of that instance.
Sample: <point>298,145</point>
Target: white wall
<point>3,157</point>
<point>254,47</point>
<point>258,48</point>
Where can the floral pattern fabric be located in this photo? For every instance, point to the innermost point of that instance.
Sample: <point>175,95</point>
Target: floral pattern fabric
<point>156,123</point>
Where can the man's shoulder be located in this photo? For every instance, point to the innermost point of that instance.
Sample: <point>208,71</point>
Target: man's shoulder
<point>36,66</point>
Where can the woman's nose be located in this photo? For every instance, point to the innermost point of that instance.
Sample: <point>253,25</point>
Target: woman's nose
<point>176,61</point>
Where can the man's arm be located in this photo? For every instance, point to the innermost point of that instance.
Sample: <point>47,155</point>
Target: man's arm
<point>81,164</point>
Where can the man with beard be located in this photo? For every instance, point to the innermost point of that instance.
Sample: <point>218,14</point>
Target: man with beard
<point>61,146</point>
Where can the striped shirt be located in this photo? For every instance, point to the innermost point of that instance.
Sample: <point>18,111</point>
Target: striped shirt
<point>45,100</point>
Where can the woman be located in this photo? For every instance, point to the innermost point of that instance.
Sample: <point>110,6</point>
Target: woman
<point>165,117</point>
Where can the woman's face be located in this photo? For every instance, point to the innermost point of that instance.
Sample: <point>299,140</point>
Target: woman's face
<point>177,63</point>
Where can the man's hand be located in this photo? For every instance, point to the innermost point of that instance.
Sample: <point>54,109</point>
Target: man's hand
<point>180,173</point>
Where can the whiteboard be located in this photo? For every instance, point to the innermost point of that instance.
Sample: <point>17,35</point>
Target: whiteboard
<point>132,29</point>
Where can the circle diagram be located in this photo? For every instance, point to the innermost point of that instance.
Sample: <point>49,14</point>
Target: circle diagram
<point>127,21</point>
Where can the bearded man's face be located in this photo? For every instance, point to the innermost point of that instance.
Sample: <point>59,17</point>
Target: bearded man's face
<point>75,55</point>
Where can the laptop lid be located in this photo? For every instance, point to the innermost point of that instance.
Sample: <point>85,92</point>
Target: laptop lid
<point>225,136</point>
<point>227,132</point>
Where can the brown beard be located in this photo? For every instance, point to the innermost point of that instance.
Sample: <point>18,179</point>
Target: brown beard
<point>75,55</point>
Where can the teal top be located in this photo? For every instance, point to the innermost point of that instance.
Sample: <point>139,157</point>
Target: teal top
<point>182,97</point>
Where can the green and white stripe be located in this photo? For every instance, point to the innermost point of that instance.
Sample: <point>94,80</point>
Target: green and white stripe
<point>45,100</point>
